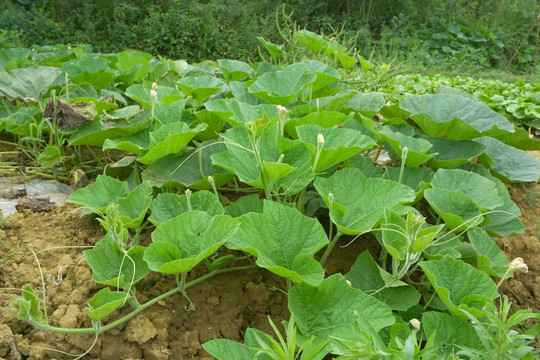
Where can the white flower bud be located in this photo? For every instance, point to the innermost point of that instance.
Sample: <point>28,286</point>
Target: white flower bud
<point>188,199</point>
<point>519,265</point>
<point>320,140</point>
<point>404,151</point>
<point>153,92</point>
<point>415,323</point>
<point>282,110</point>
<point>348,283</point>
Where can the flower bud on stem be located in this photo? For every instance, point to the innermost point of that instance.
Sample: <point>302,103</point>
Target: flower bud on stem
<point>320,144</point>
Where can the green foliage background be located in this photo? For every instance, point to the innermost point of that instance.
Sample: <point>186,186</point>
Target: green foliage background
<point>433,33</point>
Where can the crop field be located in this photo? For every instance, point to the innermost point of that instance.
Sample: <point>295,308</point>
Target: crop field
<point>274,210</point>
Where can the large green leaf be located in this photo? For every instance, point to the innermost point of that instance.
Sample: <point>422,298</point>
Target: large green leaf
<point>167,206</point>
<point>454,117</point>
<point>505,219</point>
<point>28,84</point>
<point>200,87</point>
<point>369,277</point>
<point>133,143</point>
<point>134,66</point>
<point>367,104</point>
<point>284,242</point>
<point>339,144</point>
<point>480,189</point>
<point>214,124</point>
<point>142,94</point>
<point>94,71</point>
<point>324,119</point>
<point>190,168</point>
<point>368,168</point>
<point>13,58</point>
<point>98,131</point>
<point>282,87</point>
<point>311,40</point>
<point>328,310</point>
<point>179,244</point>
<point>452,154</point>
<point>168,139</point>
<point>133,207</point>
<point>115,267</point>
<point>418,149</point>
<point>238,113</point>
<point>449,331</point>
<point>489,257</point>
<point>358,201</point>
<point>326,76</point>
<point>224,349</point>
<point>289,175</point>
<point>413,177</point>
<point>509,163</point>
<point>99,195</point>
<point>23,121</point>
<point>244,205</point>
<point>459,285</point>
<point>456,208</point>
<point>234,70</point>
<point>333,102</point>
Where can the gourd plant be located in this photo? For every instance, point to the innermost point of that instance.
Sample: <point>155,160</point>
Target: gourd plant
<point>297,145</point>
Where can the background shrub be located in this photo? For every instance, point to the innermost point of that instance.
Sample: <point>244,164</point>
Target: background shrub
<point>481,33</point>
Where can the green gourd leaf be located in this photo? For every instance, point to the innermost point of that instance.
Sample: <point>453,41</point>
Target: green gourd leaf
<point>283,240</point>
<point>179,244</point>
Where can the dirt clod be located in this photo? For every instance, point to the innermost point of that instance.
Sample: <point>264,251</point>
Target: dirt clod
<point>140,330</point>
<point>36,204</point>
<point>14,192</point>
<point>8,350</point>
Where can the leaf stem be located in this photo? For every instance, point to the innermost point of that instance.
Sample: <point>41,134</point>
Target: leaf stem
<point>329,248</point>
<point>403,160</point>
<point>142,307</point>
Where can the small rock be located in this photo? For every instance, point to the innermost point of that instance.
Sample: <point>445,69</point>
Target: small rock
<point>258,293</point>
<point>190,341</point>
<point>213,300</point>
<point>140,330</point>
<point>71,317</point>
<point>207,335</point>
<point>159,353</point>
<point>14,192</point>
<point>36,204</point>
<point>7,345</point>
<point>229,331</point>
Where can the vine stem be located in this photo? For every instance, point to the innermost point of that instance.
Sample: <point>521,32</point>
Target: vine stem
<point>329,248</point>
<point>139,309</point>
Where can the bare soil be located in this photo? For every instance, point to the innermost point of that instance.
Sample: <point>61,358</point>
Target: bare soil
<point>225,305</point>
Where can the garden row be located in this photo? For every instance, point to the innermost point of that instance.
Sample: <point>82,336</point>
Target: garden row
<point>172,142</point>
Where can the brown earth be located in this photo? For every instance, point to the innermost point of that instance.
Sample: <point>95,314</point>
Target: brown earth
<point>524,288</point>
<point>225,305</point>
